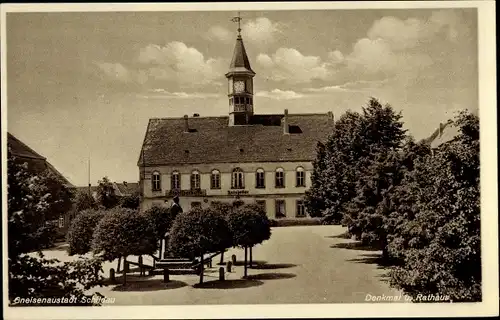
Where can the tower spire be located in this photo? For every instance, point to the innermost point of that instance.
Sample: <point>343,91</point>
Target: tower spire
<point>238,20</point>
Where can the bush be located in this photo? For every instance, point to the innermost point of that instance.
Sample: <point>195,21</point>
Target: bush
<point>81,231</point>
<point>198,232</point>
<point>438,236</point>
<point>123,232</point>
<point>289,222</point>
<point>161,220</point>
<point>249,226</point>
<point>130,202</point>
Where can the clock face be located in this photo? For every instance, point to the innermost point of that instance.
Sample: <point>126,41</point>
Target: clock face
<point>239,86</point>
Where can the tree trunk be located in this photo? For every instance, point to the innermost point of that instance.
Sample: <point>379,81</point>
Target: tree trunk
<point>201,268</point>
<point>246,254</point>
<point>124,270</point>
<point>221,257</point>
<point>119,262</point>
<point>251,258</point>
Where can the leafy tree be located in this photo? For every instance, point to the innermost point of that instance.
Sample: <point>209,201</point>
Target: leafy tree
<point>81,231</point>
<point>161,219</point>
<point>130,201</point>
<point>106,195</point>
<point>84,201</point>
<point>249,226</point>
<point>225,210</point>
<point>123,232</point>
<point>438,240</point>
<point>198,232</point>
<point>32,202</point>
<point>342,161</point>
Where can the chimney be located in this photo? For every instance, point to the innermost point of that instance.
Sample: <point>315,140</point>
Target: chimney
<point>186,124</point>
<point>286,129</point>
<point>330,115</point>
<point>196,115</point>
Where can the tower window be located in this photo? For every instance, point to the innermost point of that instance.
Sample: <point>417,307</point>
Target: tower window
<point>236,100</point>
<point>280,178</point>
<point>237,179</point>
<point>250,100</point>
<point>195,180</point>
<point>156,181</point>
<point>175,180</point>
<point>260,179</point>
<point>215,180</point>
<point>299,177</point>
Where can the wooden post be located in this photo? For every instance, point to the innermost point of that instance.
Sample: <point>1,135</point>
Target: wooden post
<point>233,259</point>
<point>221,274</point>
<point>119,263</point>
<point>166,275</point>
<point>125,270</point>
<point>229,265</point>
<point>210,263</point>
<point>112,275</point>
<point>141,267</point>
<point>246,254</point>
<point>221,257</point>
<point>201,268</point>
<point>251,258</point>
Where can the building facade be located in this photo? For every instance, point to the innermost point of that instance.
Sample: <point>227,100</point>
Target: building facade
<point>262,158</point>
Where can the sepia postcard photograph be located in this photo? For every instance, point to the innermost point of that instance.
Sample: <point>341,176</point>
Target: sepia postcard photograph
<point>249,160</point>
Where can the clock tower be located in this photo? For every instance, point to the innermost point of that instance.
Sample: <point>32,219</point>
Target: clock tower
<point>240,84</point>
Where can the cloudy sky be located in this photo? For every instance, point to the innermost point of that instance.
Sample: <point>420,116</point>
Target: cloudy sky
<point>87,83</point>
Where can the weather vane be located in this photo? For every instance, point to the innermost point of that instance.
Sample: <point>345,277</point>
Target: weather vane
<point>238,19</point>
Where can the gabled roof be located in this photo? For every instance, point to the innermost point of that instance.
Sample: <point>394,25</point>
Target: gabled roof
<point>240,62</point>
<point>444,133</point>
<point>20,150</point>
<point>127,188</point>
<point>211,140</point>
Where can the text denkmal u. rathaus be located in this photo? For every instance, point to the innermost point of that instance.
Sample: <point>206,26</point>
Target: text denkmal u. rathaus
<point>262,158</point>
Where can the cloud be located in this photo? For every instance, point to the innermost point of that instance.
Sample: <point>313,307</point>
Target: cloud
<point>163,94</point>
<point>354,86</point>
<point>261,30</point>
<point>278,94</point>
<point>179,63</point>
<point>115,71</point>
<point>219,33</point>
<point>393,45</point>
<point>290,65</point>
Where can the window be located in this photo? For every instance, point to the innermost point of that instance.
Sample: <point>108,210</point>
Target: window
<point>280,209</point>
<point>215,180</point>
<point>280,178</point>
<point>61,222</point>
<point>195,204</point>
<point>301,209</point>
<point>236,100</point>
<point>299,177</point>
<point>237,179</point>
<point>260,179</point>
<point>250,100</point>
<point>262,204</point>
<point>195,180</point>
<point>156,181</point>
<point>176,180</point>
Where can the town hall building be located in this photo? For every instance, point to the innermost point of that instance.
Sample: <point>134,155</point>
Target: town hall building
<point>246,156</point>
